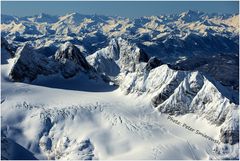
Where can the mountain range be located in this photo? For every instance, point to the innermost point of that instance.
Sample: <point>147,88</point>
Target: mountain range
<point>188,41</point>
<point>181,64</point>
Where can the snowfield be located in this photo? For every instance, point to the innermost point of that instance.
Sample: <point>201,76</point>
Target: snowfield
<point>54,123</point>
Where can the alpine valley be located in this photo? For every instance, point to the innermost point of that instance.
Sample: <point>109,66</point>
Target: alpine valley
<point>85,87</point>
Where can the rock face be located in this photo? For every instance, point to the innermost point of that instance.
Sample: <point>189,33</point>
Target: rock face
<point>142,56</point>
<point>229,133</point>
<point>121,55</point>
<point>229,136</point>
<point>223,68</point>
<point>71,59</point>
<point>70,52</point>
<point>152,63</point>
<point>68,61</point>
<point>29,64</point>
<point>6,51</point>
<point>181,92</point>
<point>168,90</point>
<point>10,150</point>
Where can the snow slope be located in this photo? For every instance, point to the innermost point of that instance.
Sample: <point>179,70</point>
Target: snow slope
<point>57,122</point>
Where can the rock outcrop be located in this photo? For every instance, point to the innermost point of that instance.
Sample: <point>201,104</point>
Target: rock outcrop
<point>152,63</point>
<point>6,51</point>
<point>28,64</point>
<point>71,59</point>
<point>121,55</point>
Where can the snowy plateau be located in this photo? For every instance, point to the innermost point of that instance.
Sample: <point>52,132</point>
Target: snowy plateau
<point>93,87</point>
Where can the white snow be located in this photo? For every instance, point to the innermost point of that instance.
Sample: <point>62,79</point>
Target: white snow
<point>55,123</point>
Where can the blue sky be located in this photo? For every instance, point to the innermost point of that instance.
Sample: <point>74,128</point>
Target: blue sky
<point>123,8</point>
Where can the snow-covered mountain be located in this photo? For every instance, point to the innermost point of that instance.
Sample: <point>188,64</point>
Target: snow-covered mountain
<point>71,59</point>
<point>28,64</point>
<point>192,37</point>
<point>120,56</point>
<point>170,34</point>
<point>172,91</point>
<point>69,82</point>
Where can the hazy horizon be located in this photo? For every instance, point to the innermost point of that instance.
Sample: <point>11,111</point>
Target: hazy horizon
<point>120,8</point>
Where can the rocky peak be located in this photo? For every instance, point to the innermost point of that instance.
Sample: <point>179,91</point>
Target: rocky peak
<point>114,49</point>
<point>70,52</point>
<point>7,46</point>
<point>190,16</point>
<point>6,51</point>
<point>72,18</point>
<point>29,64</point>
<point>122,55</point>
<point>130,55</point>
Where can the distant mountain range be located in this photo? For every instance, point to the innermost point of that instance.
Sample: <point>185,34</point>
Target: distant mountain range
<point>191,40</point>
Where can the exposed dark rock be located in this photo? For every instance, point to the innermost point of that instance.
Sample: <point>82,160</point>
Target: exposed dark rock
<point>142,56</point>
<point>230,137</point>
<point>7,46</point>
<point>29,64</point>
<point>152,63</point>
<point>10,150</point>
<point>229,133</point>
<point>72,53</point>
<point>114,48</point>
<point>68,68</point>
<point>166,93</point>
<point>6,51</point>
